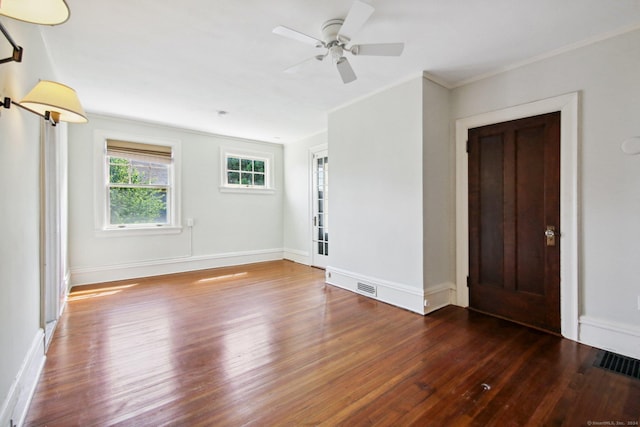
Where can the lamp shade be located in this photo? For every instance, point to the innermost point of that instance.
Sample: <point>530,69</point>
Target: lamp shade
<point>46,12</point>
<point>60,100</point>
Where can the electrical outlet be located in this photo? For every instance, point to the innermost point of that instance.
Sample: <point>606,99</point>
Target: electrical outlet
<point>189,222</point>
<point>426,303</point>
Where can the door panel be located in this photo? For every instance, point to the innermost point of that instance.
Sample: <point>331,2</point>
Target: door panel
<point>491,250</point>
<point>320,243</point>
<point>514,195</point>
<point>529,212</point>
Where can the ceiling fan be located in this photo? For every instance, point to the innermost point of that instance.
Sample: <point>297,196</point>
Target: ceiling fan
<point>336,35</point>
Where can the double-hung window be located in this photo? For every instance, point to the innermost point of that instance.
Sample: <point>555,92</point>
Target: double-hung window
<point>139,189</point>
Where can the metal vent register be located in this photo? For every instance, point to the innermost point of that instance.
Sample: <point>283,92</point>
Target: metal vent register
<point>367,289</point>
<point>618,364</point>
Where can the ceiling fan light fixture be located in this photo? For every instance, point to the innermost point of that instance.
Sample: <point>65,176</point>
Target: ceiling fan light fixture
<point>44,12</point>
<point>337,54</point>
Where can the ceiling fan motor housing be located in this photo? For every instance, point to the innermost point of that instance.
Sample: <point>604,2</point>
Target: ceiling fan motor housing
<point>330,31</point>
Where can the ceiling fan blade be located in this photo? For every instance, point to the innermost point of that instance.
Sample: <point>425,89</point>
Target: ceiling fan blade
<point>297,67</point>
<point>379,49</point>
<point>345,70</point>
<point>357,16</point>
<point>297,35</point>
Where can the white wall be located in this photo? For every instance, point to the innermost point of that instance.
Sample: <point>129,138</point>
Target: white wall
<point>376,194</point>
<point>230,228</point>
<point>392,196</point>
<point>297,199</point>
<point>20,334</point>
<point>606,75</point>
<point>438,190</point>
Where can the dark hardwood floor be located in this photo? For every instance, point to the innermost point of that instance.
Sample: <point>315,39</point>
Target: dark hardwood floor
<point>270,344</point>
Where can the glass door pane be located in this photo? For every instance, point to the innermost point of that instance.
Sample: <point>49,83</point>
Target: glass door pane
<point>320,208</point>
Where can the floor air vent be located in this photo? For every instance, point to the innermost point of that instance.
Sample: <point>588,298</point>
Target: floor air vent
<point>366,289</point>
<point>619,364</point>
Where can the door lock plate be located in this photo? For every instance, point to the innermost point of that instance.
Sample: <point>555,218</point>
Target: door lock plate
<point>550,234</point>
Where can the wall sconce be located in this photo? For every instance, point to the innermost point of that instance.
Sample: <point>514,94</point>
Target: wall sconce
<point>45,12</point>
<point>52,101</point>
<point>17,50</point>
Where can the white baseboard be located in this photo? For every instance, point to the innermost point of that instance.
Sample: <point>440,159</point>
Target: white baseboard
<point>436,297</point>
<point>15,406</point>
<point>392,293</point>
<point>301,257</point>
<point>88,275</point>
<point>616,337</point>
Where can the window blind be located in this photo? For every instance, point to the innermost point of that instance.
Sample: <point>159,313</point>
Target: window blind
<point>150,153</point>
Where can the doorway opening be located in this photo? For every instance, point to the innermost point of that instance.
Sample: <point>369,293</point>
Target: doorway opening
<point>569,260</point>
<point>514,216</point>
<point>53,229</point>
<point>320,208</point>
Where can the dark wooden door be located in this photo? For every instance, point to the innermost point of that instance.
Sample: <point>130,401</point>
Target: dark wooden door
<point>514,202</point>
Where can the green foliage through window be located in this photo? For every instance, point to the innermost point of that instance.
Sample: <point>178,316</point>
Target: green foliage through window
<point>138,191</point>
<point>137,206</point>
<point>246,172</point>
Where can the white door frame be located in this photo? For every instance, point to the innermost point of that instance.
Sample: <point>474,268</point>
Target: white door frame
<point>569,255</point>
<point>52,230</point>
<point>312,152</point>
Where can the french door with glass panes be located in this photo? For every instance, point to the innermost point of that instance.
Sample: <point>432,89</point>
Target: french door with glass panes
<point>320,240</point>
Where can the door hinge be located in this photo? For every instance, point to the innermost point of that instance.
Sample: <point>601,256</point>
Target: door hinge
<point>467,145</point>
<point>468,281</point>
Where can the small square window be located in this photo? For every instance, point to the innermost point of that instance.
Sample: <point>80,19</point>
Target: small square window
<point>233,163</point>
<point>246,171</point>
<point>247,179</point>
<point>233,177</point>
<point>247,165</point>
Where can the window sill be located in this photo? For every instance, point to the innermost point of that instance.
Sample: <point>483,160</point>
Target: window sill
<point>247,190</point>
<point>138,231</point>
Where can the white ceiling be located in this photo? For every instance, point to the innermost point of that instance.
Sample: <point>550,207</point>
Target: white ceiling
<point>181,62</point>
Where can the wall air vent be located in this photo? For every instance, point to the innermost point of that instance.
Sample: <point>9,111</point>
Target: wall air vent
<point>367,289</point>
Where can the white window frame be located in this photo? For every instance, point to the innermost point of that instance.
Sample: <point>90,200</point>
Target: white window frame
<point>101,182</point>
<point>268,158</point>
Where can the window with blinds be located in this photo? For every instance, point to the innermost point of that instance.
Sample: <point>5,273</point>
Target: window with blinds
<point>139,184</point>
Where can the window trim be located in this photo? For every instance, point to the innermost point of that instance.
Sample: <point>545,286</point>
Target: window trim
<point>267,157</point>
<point>101,177</point>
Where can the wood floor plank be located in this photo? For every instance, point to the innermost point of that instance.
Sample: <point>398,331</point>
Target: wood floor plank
<point>272,344</point>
